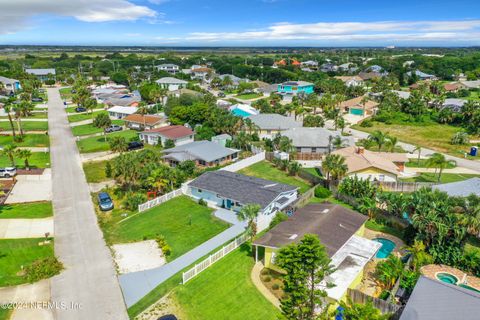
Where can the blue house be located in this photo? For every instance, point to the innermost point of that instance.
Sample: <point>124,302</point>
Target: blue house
<point>295,87</point>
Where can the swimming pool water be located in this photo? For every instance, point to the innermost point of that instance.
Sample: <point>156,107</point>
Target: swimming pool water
<point>386,248</point>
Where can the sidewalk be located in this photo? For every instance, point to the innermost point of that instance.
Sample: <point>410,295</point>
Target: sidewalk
<point>458,170</point>
<point>36,292</point>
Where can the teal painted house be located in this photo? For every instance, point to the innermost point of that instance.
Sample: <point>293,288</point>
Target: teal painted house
<point>295,87</point>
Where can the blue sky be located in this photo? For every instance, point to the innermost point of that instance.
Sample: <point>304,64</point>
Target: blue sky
<point>240,23</point>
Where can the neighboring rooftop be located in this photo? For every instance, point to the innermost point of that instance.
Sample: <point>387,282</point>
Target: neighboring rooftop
<point>171,80</point>
<point>313,137</point>
<point>461,188</point>
<point>122,109</point>
<point>201,150</point>
<point>273,121</point>
<point>297,83</point>
<point>40,72</point>
<point>357,102</point>
<point>241,188</point>
<point>436,300</point>
<point>172,132</point>
<point>148,119</point>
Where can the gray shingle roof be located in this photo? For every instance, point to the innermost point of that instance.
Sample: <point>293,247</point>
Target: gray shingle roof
<point>8,80</point>
<point>241,188</point>
<point>170,80</point>
<point>461,188</point>
<point>202,150</point>
<point>273,121</point>
<point>40,72</point>
<point>435,300</point>
<point>313,137</point>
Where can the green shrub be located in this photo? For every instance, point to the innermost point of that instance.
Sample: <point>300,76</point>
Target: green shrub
<point>162,243</point>
<point>275,286</point>
<point>366,123</point>
<point>384,295</point>
<point>202,202</point>
<point>265,272</point>
<point>133,200</point>
<point>322,192</point>
<point>279,217</point>
<point>43,269</point>
<point>108,170</point>
<point>267,279</point>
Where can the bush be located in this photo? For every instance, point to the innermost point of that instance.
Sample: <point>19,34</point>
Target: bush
<point>133,200</point>
<point>384,295</point>
<point>366,123</point>
<point>279,217</point>
<point>265,272</point>
<point>108,170</point>
<point>202,202</point>
<point>267,279</point>
<point>50,82</point>
<point>275,286</point>
<point>322,192</point>
<point>43,269</point>
<point>162,243</point>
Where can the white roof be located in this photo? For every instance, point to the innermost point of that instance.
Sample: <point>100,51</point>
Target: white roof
<point>40,72</point>
<point>402,94</point>
<point>124,110</point>
<point>349,261</point>
<point>171,80</point>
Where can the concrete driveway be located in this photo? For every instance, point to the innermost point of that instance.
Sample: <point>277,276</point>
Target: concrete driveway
<point>25,228</point>
<point>31,188</point>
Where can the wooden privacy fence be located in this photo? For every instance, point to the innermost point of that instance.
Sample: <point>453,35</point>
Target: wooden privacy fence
<point>306,156</point>
<point>214,258</point>
<point>382,305</point>
<point>159,200</point>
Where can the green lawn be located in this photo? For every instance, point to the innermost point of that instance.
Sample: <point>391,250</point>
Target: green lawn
<point>86,129</point>
<point>84,116</point>
<point>414,163</point>
<point>98,143</point>
<point>26,125</point>
<point>445,178</point>
<point>430,135</point>
<point>37,160</point>
<point>29,210</point>
<point>29,140</point>
<point>249,96</point>
<point>313,171</point>
<point>33,115</point>
<point>374,225</point>
<point>66,93</point>
<point>184,224</point>
<point>95,171</point>
<point>16,253</point>
<point>5,314</point>
<point>267,171</point>
<point>225,291</point>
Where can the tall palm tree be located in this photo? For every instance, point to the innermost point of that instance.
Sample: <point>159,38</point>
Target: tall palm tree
<point>10,151</point>
<point>24,154</point>
<point>8,109</point>
<point>419,149</point>
<point>438,161</point>
<point>379,138</point>
<point>334,166</point>
<point>389,270</point>
<point>249,213</point>
<point>392,143</point>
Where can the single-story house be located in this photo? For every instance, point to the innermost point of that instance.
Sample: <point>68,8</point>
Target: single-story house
<point>270,124</point>
<point>356,106</point>
<point>144,122</point>
<point>293,88</point>
<point>42,74</point>
<point>310,64</point>
<point>379,166</point>
<point>370,75</point>
<point>314,140</point>
<point>351,81</point>
<point>120,112</point>
<point>454,104</point>
<point>453,87</point>
<point>119,99</point>
<point>234,79</point>
<point>168,67</point>
<point>221,139</point>
<point>374,68</point>
<point>243,110</point>
<point>422,75</point>
<point>204,153</point>
<point>473,84</point>
<point>268,90</point>
<point>233,191</point>
<point>10,85</point>
<point>171,83</point>
<point>178,134</point>
<point>328,67</point>
<point>461,188</point>
<point>436,300</point>
<point>179,92</point>
<point>339,229</point>
<point>402,94</point>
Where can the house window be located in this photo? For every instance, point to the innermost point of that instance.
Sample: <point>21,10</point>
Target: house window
<point>273,258</point>
<point>381,177</point>
<point>238,204</point>
<point>269,131</point>
<point>314,150</point>
<point>199,190</point>
<point>299,149</point>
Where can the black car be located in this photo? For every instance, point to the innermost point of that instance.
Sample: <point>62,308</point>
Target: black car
<point>80,109</point>
<point>134,145</point>
<point>168,317</point>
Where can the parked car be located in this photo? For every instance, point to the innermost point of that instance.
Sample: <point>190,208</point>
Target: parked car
<point>168,317</point>
<point>104,201</point>
<point>80,109</point>
<point>37,99</point>
<point>113,128</point>
<point>8,172</point>
<point>221,94</point>
<point>134,145</point>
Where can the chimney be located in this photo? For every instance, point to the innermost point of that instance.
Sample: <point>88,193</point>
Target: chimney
<point>360,150</point>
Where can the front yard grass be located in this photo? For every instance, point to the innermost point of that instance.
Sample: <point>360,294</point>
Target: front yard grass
<point>377,226</point>
<point>26,125</point>
<point>414,163</point>
<point>248,96</point>
<point>37,160</point>
<point>266,170</point>
<point>445,178</point>
<point>429,135</point>
<point>28,210</point>
<point>84,116</point>
<point>86,129</point>
<point>225,291</point>
<point>16,253</point>
<point>184,223</point>
<point>29,140</point>
<point>95,171</point>
<point>98,143</point>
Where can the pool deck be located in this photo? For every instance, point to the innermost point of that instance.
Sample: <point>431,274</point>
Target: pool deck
<point>399,244</point>
<point>431,271</point>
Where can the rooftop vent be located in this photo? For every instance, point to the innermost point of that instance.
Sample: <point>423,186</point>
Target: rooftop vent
<point>293,236</point>
<point>325,210</point>
<point>270,185</point>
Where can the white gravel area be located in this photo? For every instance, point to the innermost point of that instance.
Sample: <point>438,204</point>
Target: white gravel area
<point>138,256</point>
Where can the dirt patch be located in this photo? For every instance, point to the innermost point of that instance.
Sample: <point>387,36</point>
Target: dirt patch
<point>138,256</point>
<point>166,305</point>
<point>273,281</point>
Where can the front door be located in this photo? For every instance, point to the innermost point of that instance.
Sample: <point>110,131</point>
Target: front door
<point>229,204</point>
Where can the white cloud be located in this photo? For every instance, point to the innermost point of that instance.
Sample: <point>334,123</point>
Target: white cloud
<point>15,14</point>
<point>391,31</point>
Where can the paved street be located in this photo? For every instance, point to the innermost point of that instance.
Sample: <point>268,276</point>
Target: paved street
<point>89,279</point>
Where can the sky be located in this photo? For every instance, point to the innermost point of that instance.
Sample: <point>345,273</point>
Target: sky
<point>240,23</point>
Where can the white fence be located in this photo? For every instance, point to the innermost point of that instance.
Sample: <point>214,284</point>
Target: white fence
<point>155,202</point>
<point>214,258</point>
<point>234,167</point>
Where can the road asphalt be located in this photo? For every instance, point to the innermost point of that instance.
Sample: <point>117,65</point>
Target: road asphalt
<point>88,287</point>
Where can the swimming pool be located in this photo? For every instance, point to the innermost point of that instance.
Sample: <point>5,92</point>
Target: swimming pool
<point>447,278</point>
<point>386,248</point>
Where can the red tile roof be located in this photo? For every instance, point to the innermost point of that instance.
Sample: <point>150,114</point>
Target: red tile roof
<point>138,118</point>
<point>172,132</point>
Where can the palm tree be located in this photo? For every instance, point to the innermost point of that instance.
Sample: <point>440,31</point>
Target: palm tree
<point>24,154</point>
<point>438,161</point>
<point>389,270</point>
<point>10,151</point>
<point>379,138</point>
<point>369,206</point>
<point>249,213</point>
<point>392,143</point>
<point>334,166</point>
<point>419,149</point>
<point>8,109</point>
<point>294,167</point>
